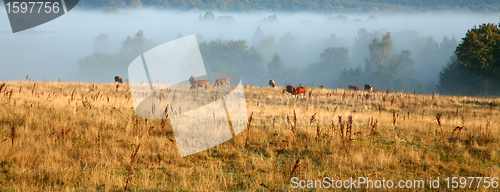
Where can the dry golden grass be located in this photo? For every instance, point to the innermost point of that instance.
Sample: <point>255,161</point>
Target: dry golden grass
<point>77,136</point>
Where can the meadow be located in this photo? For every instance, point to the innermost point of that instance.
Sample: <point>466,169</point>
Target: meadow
<point>86,137</point>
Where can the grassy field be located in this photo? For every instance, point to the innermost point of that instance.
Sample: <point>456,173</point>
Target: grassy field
<point>77,136</point>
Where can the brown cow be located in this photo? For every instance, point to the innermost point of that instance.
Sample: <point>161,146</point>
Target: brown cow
<point>118,79</point>
<point>192,79</point>
<point>296,91</point>
<point>353,87</point>
<point>300,90</point>
<point>198,83</point>
<point>272,83</point>
<point>223,81</point>
<point>368,87</point>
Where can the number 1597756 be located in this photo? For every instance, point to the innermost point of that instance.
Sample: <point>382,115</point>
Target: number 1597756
<point>27,7</point>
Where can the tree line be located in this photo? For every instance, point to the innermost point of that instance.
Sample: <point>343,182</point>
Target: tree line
<point>320,6</point>
<point>472,69</point>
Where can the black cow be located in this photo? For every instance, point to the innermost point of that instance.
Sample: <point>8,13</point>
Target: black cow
<point>118,79</point>
<point>368,87</point>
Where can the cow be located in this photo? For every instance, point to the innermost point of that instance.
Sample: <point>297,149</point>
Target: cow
<point>300,90</point>
<point>368,87</point>
<point>272,83</point>
<point>296,91</point>
<point>353,87</point>
<point>192,79</point>
<point>118,79</point>
<point>223,81</point>
<point>321,87</point>
<point>198,83</point>
<point>290,89</point>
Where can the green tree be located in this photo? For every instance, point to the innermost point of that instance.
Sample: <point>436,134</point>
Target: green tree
<point>479,53</point>
<point>455,80</point>
<point>400,73</point>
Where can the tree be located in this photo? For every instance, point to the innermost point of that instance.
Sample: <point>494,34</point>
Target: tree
<point>224,56</point>
<point>100,66</point>
<point>448,46</point>
<point>401,73</point>
<point>276,68</point>
<point>289,50</point>
<point>454,80</point>
<point>252,70</point>
<point>427,62</point>
<point>360,48</point>
<point>101,43</point>
<point>111,10</point>
<point>332,62</point>
<point>135,3</point>
<point>336,57</point>
<point>350,77</point>
<point>479,52</point>
<point>97,67</point>
<point>379,53</point>
<point>258,35</point>
<point>209,15</point>
<point>267,47</point>
<point>135,46</point>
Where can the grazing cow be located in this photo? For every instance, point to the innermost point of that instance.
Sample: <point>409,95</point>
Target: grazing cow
<point>353,87</point>
<point>223,81</point>
<point>118,79</point>
<point>300,90</point>
<point>272,83</point>
<point>198,83</point>
<point>290,89</point>
<point>368,87</point>
<point>321,87</point>
<point>296,91</point>
<point>192,79</point>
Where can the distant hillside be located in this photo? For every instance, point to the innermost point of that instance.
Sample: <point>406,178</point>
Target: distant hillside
<point>324,6</point>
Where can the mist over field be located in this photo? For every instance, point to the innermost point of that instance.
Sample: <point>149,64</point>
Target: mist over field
<point>51,51</point>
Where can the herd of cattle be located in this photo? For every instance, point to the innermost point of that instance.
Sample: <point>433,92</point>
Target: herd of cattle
<point>301,90</point>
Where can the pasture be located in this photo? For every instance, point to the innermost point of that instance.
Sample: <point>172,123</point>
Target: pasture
<point>79,136</point>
